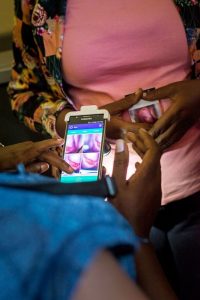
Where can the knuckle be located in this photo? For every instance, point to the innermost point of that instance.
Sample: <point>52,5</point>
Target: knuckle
<point>155,132</point>
<point>17,157</point>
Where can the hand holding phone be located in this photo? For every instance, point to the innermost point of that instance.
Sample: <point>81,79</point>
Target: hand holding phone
<point>84,143</point>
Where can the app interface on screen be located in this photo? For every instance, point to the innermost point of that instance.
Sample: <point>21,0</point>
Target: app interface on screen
<point>83,150</point>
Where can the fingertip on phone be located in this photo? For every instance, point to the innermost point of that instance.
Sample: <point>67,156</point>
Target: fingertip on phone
<point>60,141</point>
<point>70,169</point>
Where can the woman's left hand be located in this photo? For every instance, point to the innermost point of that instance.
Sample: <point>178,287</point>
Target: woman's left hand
<point>181,115</point>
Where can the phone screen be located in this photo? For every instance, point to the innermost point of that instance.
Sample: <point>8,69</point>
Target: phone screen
<point>84,141</point>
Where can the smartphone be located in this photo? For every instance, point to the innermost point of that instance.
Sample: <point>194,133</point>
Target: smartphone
<point>84,144</point>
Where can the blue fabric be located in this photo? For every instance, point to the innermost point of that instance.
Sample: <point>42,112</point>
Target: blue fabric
<point>46,241</point>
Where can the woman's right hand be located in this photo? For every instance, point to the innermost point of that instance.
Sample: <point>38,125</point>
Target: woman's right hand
<point>139,197</point>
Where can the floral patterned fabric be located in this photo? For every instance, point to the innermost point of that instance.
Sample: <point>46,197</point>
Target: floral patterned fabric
<point>36,86</point>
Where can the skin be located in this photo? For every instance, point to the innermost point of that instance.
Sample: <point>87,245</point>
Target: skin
<point>140,208</point>
<point>131,200</point>
<point>104,279</point>
<point>171,126</point>
<point>181,115</point>
<point>37,157</point>
<point>116,125</point>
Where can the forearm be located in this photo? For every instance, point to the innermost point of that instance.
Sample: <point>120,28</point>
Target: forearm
<point>105,279</point>
<point>150,275</point>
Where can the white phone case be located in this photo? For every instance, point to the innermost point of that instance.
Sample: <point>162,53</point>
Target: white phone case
<point>88,110</point>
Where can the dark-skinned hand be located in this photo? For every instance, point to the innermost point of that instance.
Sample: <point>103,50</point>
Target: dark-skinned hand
<point>36,156</point>
<point>139,197</point>
<point>117,126</point>
<point>180,116</point>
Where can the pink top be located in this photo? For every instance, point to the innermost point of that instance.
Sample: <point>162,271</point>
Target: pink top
<point>113,47</point>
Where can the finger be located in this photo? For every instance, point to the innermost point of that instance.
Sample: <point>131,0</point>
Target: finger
<point>120,162</point>
<point>59,150</point>
<point>134,127</point>
<point>160,93</point>
<point>53,159</point>
<point>152,148</point>
<point>37,167</point>
<point>144,142</point>
<point>33,150</point>
<point>165,121</point>
<point>47,144</point>
<point>137,144</point>
<point>147,140</point>
<point>173,134</point>
<point>55,172</point>
<point>132,99</point>
<point>123,104</point>
<point>151,158</point>
<point>103,171</point>
<point>137,165</point>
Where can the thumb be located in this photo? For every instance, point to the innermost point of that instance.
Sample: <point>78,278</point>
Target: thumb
<point>120,162</point>
<point>158,94</point>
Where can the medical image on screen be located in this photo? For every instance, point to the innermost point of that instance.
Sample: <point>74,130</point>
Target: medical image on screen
<point>74,160</point>
<point>83,143</point>
<point>90,161</point>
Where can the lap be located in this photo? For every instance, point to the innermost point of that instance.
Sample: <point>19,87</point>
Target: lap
<point>176,238</point>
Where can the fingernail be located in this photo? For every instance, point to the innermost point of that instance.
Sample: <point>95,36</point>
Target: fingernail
<point>60,140</point>
<point>150,133</point>
<point>123,133</point>
<point>144,130</point>
<point>70,169</point>
<point>131,137</point>
<point>44,167</point>
<point>58,174</point>
<point>138,91</point>
<point>119,145</point>
<point>130,134</point>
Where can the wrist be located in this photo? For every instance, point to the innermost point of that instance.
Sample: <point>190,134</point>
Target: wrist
<point>141,229</point>
<point>60,122</point>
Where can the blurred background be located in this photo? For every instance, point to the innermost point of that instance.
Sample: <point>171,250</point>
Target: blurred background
<point>11,131</point>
